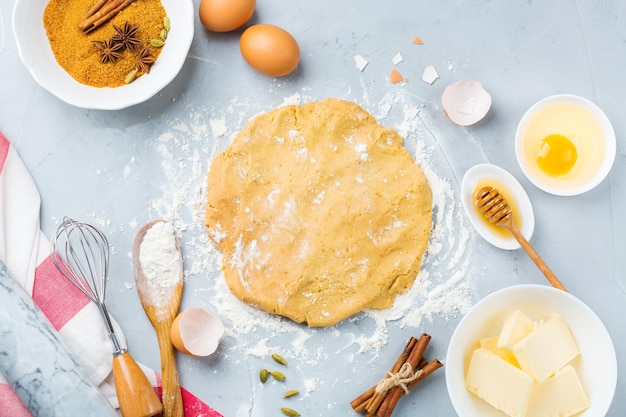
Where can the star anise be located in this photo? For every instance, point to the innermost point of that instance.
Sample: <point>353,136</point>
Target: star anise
<point>145,60</point>
<point>127,36</point>
<point>109,50</point>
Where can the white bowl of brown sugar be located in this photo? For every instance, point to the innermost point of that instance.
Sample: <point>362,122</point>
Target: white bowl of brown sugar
<point>103,54</point>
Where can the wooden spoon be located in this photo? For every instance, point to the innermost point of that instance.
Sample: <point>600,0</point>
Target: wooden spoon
<point>161,302</point>
<point>496,209</point>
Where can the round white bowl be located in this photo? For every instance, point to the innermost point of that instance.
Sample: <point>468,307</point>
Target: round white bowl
<point>471,179</point>
<point>596,365</point>
<point>34,49</point>
<point>585,179</point>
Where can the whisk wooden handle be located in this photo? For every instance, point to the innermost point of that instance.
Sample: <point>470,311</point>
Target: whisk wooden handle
<point>135,394</point>
<point>532,253</point>
<point>172,396</point>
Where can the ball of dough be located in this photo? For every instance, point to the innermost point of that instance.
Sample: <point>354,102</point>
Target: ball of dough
<point>319,212</point>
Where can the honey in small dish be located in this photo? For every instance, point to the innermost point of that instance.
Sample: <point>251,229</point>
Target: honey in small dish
<point>508,196</point>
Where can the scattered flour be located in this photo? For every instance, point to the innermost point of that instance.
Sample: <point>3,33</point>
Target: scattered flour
<point>186,148</point>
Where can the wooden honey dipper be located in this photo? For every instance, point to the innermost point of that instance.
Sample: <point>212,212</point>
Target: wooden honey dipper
<point>496,209</point>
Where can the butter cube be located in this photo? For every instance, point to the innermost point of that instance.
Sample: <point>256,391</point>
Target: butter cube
<point>499,383</point>
<point>491,344</point>
<point>561,395</point>
<point>547,349</point>
<point>516,326</point>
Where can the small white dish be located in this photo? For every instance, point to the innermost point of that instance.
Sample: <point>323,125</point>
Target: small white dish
<point>34,50</point>
<point>585,125</point>
<point>497,177</point>
<point>596,365</point>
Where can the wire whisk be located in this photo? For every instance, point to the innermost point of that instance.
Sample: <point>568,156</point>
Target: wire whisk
<point>80,251</point>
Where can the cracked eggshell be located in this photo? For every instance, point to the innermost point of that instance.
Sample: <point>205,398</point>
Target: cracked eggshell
<point>196,332</point>
<point>465,102</point>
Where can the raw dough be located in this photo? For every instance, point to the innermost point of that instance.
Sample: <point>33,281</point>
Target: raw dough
<point>319,212</point>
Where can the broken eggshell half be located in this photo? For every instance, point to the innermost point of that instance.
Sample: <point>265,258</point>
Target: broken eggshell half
<point>465,102</point>
<point>196,332</point>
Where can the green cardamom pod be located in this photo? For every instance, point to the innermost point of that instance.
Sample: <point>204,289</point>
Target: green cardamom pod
<point>291,393</point>
<point>264,374</point>
<point>279,359</point>
<point>157,43</point>
<point>166,23</point>
<point>279,376</point>
<point>130,77</point>
<point>163,34</point>
<point>289,412</point>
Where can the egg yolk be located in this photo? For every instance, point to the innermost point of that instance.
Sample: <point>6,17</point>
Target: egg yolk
<point>557,155</point>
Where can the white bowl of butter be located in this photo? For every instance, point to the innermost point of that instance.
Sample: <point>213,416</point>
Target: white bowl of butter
<point>594,365</point>
<point>565,144</point>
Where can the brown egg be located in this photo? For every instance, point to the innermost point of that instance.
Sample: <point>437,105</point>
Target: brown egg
<point>225,15</point>
<point>270,49</point>
<point>195,332</point>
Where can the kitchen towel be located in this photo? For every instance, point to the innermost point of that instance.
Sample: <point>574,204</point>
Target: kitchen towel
<point>26,252</point>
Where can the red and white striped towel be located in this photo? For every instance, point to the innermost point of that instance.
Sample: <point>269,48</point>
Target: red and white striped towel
<point>26,252</point>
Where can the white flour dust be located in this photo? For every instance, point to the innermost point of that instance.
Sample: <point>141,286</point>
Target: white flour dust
<point>186,148</point>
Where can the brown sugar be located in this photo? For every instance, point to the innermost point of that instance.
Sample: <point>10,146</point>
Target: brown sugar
<point>75,50</point>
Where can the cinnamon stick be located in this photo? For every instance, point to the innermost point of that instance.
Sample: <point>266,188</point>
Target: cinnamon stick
<point>95,8</point>
<point>413,360</point>
<point>427,369</point>
<point>107,12</point>
<point>390,402</point>
<point>411,366</point>
<point>360,403</point>
<point>103,11</point>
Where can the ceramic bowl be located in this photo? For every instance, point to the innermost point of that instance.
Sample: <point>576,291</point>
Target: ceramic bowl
<point>596,365</point>
<point>34,50</point>
<point>498,178</point>
<point>580,121</point>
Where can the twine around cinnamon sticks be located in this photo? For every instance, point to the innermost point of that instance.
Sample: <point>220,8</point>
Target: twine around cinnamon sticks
<point>102,12</point>
<point>409,370</point>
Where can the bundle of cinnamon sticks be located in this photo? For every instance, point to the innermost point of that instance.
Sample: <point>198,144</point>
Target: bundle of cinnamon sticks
<point>102,12</point>
<point>409,370</point>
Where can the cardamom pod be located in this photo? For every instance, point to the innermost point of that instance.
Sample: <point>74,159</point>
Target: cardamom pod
<point>157,43</point>
<point>289,412</point>
<point>291,393</point>
<point>163,34</point>
<point>279,359</point>
<point>166,23</point>
<point>279,376</point>
<point>130,77</point>
<point>263,375</point>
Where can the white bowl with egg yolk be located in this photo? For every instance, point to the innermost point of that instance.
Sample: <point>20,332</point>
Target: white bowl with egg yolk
<point>596,365</point>
<point>565,144</point>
